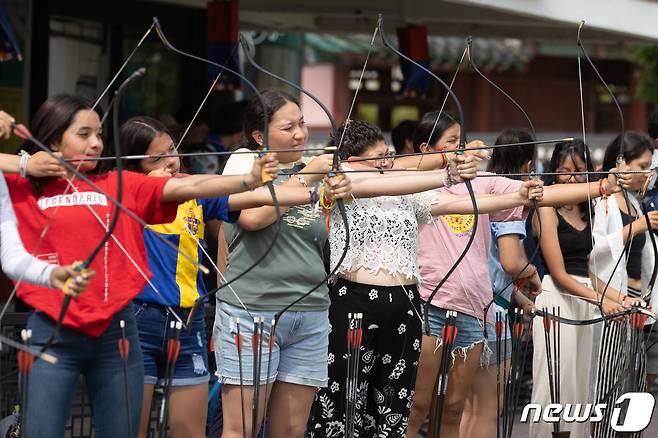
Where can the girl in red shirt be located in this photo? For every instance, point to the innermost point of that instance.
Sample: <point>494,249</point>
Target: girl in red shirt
<point>61,219</point>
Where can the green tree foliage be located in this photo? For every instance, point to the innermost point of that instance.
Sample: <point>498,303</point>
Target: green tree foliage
<point>646,58</point>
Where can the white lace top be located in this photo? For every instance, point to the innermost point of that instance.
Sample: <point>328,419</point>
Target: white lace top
<point>383,233</point>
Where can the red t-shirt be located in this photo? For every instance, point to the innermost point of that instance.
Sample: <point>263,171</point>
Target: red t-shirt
<point>74,232</point>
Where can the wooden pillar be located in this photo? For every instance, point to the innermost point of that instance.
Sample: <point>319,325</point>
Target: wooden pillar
<point>482,105</point>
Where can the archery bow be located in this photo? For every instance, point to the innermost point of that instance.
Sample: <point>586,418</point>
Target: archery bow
<point>339,202</point>
<point>115,216</point>
<point>265,148</point>
<point>462,145</point>
<point>532,173</point>
<point>335,168</point>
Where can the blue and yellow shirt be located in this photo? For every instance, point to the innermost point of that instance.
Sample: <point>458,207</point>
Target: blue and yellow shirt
<point>178,281</point>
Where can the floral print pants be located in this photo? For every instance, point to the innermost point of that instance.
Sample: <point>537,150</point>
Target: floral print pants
<point>389,354</point>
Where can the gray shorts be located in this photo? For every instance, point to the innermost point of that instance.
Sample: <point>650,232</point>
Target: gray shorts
<point>299,355</point>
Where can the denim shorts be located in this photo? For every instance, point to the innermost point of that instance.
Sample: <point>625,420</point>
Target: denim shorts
<point>505,342</point>
<point>505,347</point>
<point>469,332</point>
<point>299,355</point>
<point>153,322</point>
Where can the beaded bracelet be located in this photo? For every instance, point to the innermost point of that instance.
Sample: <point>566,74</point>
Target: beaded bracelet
<point>449,180</point>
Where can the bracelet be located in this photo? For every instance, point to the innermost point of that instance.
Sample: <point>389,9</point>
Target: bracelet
<point>22,164</point>
<point>301,179</point>
<point>449,180</point>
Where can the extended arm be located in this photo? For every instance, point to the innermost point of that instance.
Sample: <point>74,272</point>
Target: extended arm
<point>368,185</point>
<point>567,194</point>
<point>213,186</point>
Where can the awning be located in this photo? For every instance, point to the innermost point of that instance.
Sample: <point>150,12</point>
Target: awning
<point>612,21</point>
<point>618,22</point>
<point>492,53</point>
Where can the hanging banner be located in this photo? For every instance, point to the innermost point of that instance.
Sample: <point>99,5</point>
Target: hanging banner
<point>223,42</point>
<point>413,42</point>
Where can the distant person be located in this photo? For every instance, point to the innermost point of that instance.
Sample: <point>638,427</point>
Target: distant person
<point>226,126</point>
<point>224,135</point>
<point>402,136</point>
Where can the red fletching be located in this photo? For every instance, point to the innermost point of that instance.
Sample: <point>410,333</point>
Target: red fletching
<point>169,349</point>
<point>254,342</point>
<point>519,330</point>
<point>173,349</point>
<point>499,329</point>
<point>449,337</point>
<point>21,131</point>
<point>272,341</point>
<point>21,362</point>
<point>547,323</point>
<point>25,360</point>
<point>359,336</point>
<point>124,348</point>
<point>238,342</point>
<point>211,347</point>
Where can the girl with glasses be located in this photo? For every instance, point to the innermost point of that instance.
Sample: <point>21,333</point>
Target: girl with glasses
<point>566,242</point>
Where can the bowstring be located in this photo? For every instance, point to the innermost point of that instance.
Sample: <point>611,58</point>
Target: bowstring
<point>46,228</point>
<point>432,218</point>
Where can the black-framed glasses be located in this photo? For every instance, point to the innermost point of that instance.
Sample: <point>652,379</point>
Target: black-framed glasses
<point>566,174</point>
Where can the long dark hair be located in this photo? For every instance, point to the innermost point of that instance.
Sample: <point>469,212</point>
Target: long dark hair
<point>401,133</point>
<point>511,159</point>
<point>426,124</point>
<point>136,135</point>
<point>254,113</point>
<point>635,144</point>
<point>359,136</point>
<point>51,120</point>
<point>573,149</point>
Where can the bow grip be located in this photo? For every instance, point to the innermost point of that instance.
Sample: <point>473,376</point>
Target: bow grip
<point>620,163</point>
<point>264,176</point>
<point>78,267</point>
